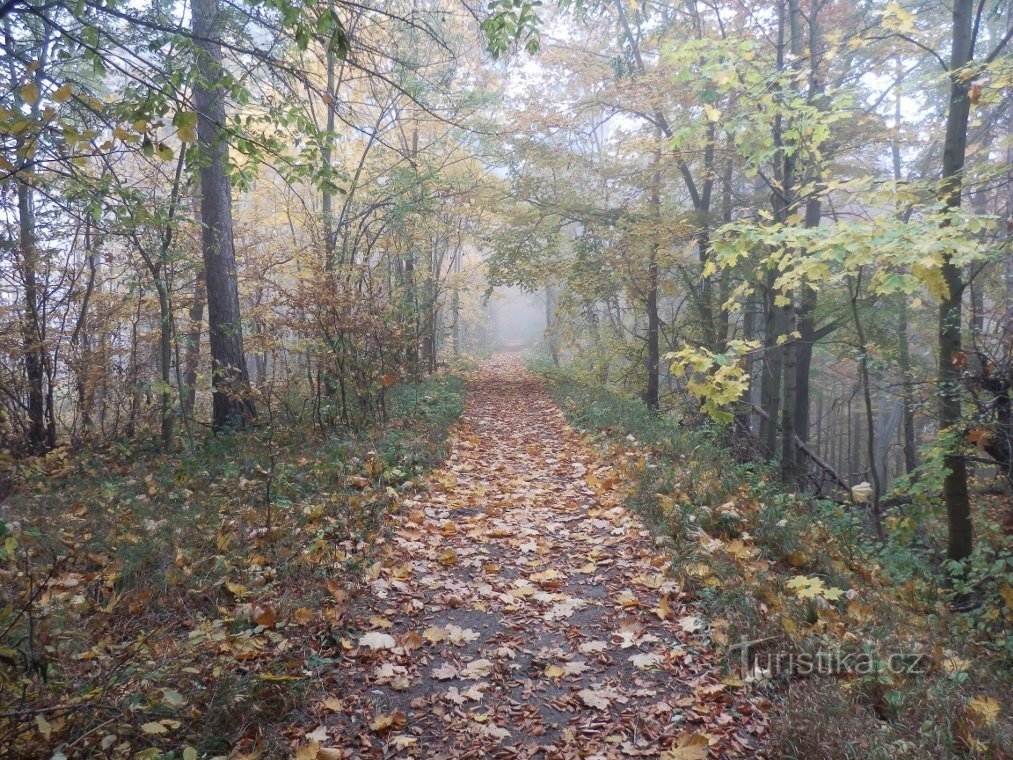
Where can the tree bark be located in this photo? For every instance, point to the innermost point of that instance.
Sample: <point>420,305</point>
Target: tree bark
<point>955,493</point>
<point>232,404</point>
<point>651,305</point>
<point>38,441</point>
<point>907,391</point>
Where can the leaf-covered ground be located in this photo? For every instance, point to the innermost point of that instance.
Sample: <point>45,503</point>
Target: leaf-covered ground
<point>521,611</point>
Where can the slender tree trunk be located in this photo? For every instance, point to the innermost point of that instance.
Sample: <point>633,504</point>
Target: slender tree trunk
<point>232,403</point>
<point>907,392</point>
<point>30,326</point>
<point>870,418</point>
<point>904,350</point>
<point>81,337</point>
<point>165,363</point>
<point>192,358</point>
<point>326,151</point>
<point>550,323</point>
<point>808,335</point>
<point>773,361</point>
<point>456,303</point>
<point>790,465</point>
<point>651,306</point>
<point>955,493</point>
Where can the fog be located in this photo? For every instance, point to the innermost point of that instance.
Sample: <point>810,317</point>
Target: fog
<point>517,318</point>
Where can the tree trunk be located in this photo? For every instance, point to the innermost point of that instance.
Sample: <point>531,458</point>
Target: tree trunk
<point>806,320</point>
<point>550,323</point>
<point>232,404</point>
<point>192,358</point>
<point>907,392</point>
<point>31,332</point>
<point>326,152</point>
<point>772,370</point>
<point>651,305</point>
<point>955,494</point>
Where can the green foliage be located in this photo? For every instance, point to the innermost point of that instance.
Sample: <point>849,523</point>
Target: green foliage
<point>512,21</point>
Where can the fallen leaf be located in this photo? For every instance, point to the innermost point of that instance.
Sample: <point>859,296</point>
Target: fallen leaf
<point>477,669</point>
<point>645,660</point>
<point>593,698</point>
<point>377,640</point>
<point>689,746</point>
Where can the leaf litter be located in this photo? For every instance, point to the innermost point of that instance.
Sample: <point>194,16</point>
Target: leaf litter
<point>523,611</point>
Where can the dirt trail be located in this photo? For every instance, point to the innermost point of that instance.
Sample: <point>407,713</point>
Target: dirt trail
<point>521,614</point>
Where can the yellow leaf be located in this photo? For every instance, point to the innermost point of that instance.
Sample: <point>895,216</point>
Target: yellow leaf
<point>933,280</point>
<point>30,94</point>
<point>1006,592</point>
<point>434,635</point>
<point>63,94</point>
<point>985,707</point>
<point>45,728</point>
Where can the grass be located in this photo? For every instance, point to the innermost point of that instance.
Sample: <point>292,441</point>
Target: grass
<point>182,606</point>
<point>807,580</point>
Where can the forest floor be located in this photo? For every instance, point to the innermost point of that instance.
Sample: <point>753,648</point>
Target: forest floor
<point>522,611</point>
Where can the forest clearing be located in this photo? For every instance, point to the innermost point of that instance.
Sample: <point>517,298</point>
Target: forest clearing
<point>437,378</point>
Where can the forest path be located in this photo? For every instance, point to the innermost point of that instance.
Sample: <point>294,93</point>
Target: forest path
<point>519,613</point>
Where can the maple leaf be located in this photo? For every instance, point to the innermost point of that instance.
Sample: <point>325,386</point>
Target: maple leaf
<point>435,634</point>
<point>496,732</point>
<point>805,587</point>
<point>377,640</point>
<point>477,669</point>
<point>410,641</point>
<point>575,668</point>
<point>318,735</point>
<point>627,599</point>
<point>455,696</point>
<point>985,708</point>
<point>383,722</point>
<point>663,610</point>
<point>545,575</point>
<point>590,647</point>
<point>689,746</point>
<point>457,635</point>
<point>654,581</point>
<point>691,624</point>
<point>445,672</point>
<point>645,660</point>
<point>594,698</point>
<point>264,615</point>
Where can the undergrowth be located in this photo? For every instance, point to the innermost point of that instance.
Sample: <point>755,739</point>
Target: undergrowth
<point>185,606</point>
<point>852,640</point>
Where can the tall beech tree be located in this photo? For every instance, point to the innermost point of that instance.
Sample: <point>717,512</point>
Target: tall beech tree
<point>233,404</point>
<point>967,17</point>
